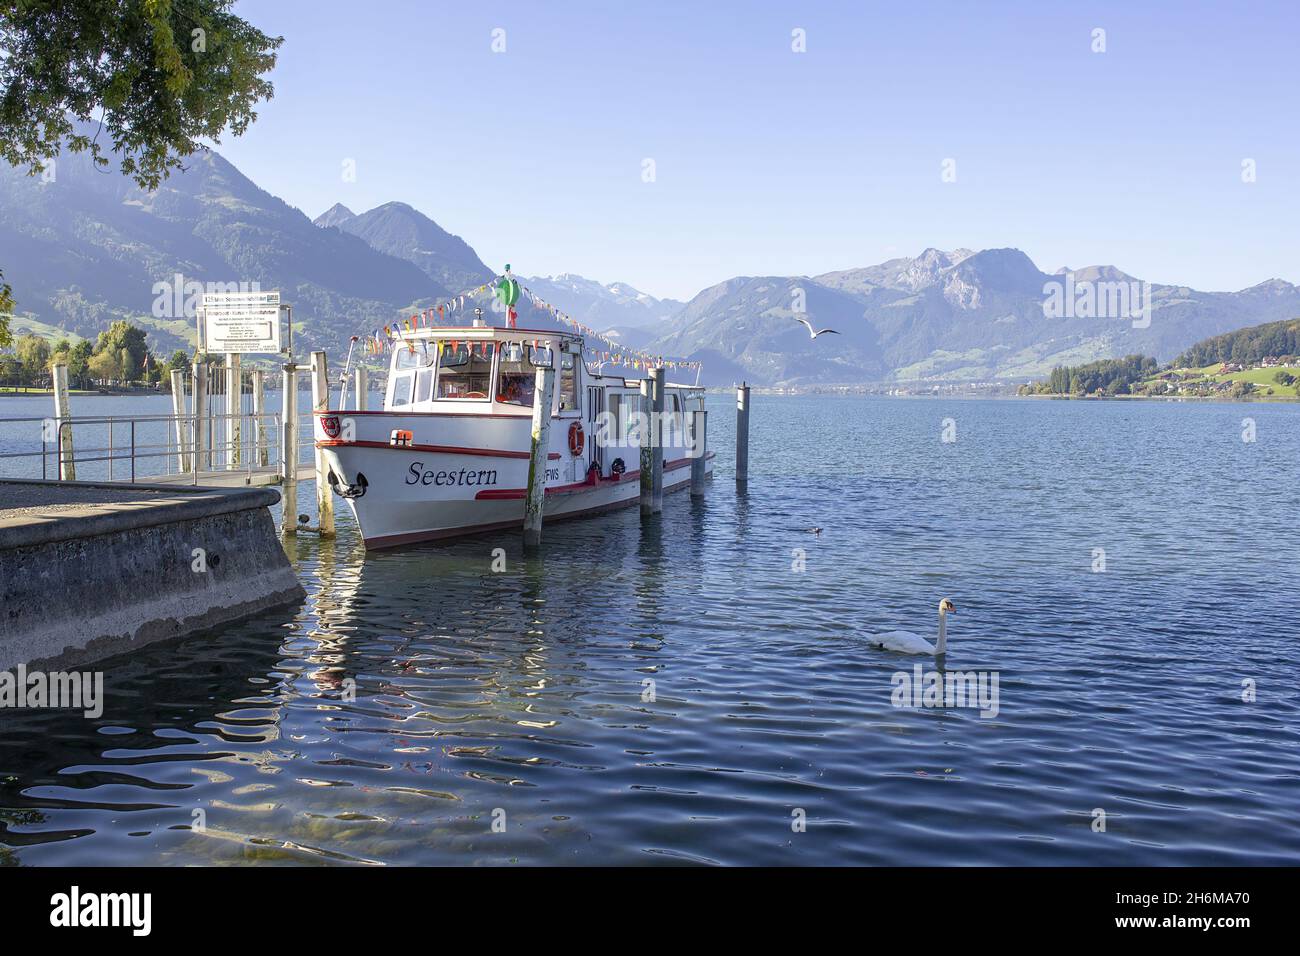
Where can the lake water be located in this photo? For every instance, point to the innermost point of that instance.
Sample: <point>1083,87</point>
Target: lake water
<point>521,697</point>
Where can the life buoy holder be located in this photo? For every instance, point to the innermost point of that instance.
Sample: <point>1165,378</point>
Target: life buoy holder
<point>577,439</point>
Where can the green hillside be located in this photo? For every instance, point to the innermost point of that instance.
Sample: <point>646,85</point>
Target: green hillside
<point>1262,361</point>
<point>1245,346</point>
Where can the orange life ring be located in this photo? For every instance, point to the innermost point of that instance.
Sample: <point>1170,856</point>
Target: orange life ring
<point>577,439</point>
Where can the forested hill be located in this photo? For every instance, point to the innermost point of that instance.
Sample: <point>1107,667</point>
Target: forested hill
<point>1107,376</point>
<point>1245,346</point>
<point>1250,361</point>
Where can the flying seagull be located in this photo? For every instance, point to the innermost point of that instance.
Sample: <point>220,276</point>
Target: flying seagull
<point>813,334</point>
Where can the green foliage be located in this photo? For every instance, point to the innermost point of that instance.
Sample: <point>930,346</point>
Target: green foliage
<point>33,354</point>
<point>129,345</point>
<point>6,310</point>
<point>1284,378</point>
<point>1108,376</point>
<point>76,358</point>
<point>156,75</point>
<point>104,367</point>
<point>1245,346</point>
<point>79,363</point>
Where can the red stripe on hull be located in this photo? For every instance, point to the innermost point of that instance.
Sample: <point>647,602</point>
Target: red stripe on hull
<point>500,494</point>
<point>415,537</point>
<point>444,449</point>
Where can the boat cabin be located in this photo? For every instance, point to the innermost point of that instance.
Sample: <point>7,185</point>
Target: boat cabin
<point>492,371</point>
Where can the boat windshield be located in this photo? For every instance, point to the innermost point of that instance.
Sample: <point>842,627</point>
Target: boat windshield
<point>410,355</point>
<point>464,369</point>
<point>515,376</point>
<point>568,382</point>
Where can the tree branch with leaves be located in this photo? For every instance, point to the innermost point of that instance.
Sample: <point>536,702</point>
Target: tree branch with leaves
<point>6,309</point>
<point>156,76</point>
<point>153,77</point>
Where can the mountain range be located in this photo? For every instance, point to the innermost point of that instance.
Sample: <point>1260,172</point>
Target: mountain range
<point>87,247</point>
<point>625,314</point>
<point>398,230</point>
<point>954,316</point>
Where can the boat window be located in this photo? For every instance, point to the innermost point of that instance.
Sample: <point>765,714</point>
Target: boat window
<point>616,413</point>
<point>410,355</point>
<point>464,369</point>
<point>402,390</point>
<point>568,382</point>
<point>622,407</point>
<point>675,411</point>
<point>515,376</point>
<point>422,388</point>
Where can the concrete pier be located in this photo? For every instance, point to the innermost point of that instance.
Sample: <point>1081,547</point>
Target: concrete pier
<point>91,570</point>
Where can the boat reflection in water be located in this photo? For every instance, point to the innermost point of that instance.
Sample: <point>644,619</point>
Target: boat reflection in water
<point>415,694</point>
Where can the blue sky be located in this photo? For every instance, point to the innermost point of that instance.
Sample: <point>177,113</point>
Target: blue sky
<point>769,161</point>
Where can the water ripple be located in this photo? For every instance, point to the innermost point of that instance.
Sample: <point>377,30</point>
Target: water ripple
<point>698,690</point>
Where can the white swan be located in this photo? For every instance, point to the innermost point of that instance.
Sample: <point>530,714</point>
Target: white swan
<point>905,642</point>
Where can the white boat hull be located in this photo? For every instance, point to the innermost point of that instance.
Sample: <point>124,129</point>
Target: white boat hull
<point>467,475</point>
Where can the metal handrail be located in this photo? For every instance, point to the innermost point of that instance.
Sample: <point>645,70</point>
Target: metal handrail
<point>170,449</point>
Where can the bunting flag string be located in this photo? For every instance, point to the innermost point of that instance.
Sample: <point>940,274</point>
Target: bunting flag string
<point>615,353</point>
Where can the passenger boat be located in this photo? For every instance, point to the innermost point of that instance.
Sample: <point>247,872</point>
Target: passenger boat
<point>449,453</point>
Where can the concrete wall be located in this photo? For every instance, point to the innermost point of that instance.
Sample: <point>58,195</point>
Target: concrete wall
<point>97,577</point>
